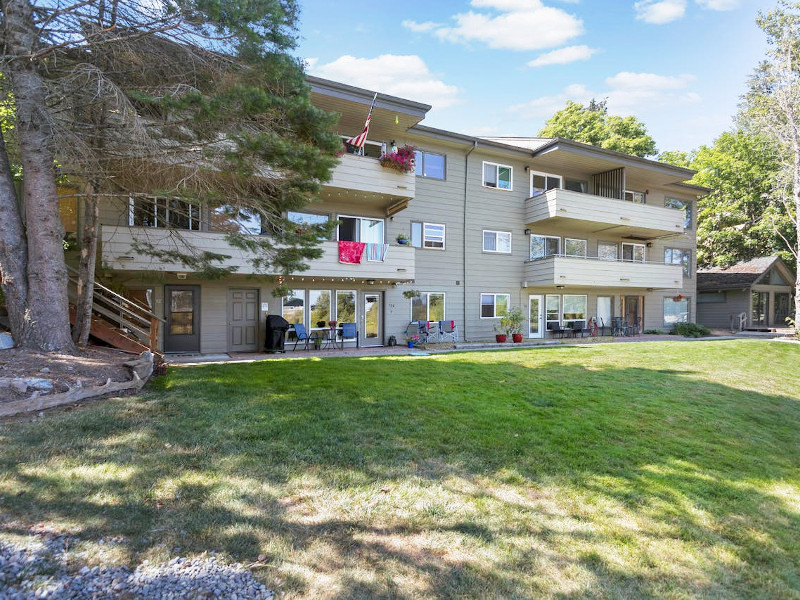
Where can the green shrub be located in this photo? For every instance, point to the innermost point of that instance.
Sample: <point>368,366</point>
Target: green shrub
<point>653,332</point>
<point>691,330</point>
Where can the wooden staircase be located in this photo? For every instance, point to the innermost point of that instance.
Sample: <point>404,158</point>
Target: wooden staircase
<point>118,321</point>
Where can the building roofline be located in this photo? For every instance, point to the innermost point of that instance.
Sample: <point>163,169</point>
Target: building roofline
<point>469,140</point>
<point>353,93</point>
<point>627,159</point>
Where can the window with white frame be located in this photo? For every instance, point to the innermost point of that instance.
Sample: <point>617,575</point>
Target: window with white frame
<point>575,247</point>
<point>552,307</point>
<point>497,176</point>
<point>635,197</point>
<point>676,310</point>
<point>427,235</point>
<point>678,256</point>
<point>360,229</point>
<point>633,252</point>
<point>429,164</point>
<point>145,211</point>
<point>494,305</point>
<point>607,250</point>
<point>574,312</point>
<point>428,306</point>
<point>577,185</point>
<point>683,205</point>
<point>346,306</point>
<point>497,241</point>
<point>232,219</point>
<point>542,246</point>
<point>541,182</point>
<point>294,306</point>
<point>319,307</point>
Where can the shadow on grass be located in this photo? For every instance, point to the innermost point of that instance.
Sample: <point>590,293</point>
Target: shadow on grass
<point>470,470</point>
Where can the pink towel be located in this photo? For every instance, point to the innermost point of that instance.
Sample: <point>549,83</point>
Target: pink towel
<point>351,252</point>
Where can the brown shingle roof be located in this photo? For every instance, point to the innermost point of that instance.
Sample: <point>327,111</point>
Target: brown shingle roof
<point>738,275</point>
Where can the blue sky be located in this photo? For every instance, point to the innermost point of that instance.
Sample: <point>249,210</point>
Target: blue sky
<point>502,67</point>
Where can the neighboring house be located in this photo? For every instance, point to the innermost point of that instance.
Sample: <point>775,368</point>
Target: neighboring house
<point>565,230</point>
<point>760,288</point>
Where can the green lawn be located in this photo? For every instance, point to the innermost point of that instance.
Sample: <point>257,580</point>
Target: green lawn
<point>666,469</point>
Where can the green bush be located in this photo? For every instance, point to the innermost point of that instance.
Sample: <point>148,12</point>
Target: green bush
<point>653,332</point>
<point>691,330</point>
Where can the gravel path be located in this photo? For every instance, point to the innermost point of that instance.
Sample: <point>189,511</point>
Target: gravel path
<point>38,570</point>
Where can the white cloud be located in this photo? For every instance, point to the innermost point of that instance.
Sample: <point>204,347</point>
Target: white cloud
<point>405,76</point>
<point>419,27</point>
<point>659,12</point>
<point>563,56</point>
<point>718,4</point>
<point>508,25</point>
<point>627,93</point>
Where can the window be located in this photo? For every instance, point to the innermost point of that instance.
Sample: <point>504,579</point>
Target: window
<point>607,251</point>
<point>712,297</point>
<point>574,310</point>
<point>346,306</point>
<point>429,164</point>
<point>675,311</point>
<point>543,246</point>
<point>633,252</point>
<point>319,307</point>
<point>497,241</point>
<point>552,306</point>
<point>676,256</point>
<point>576,185</point>
<point>427,235</point>
<point>541,182</point>
<point>428,306</point>
<point>574,247</point>
<point>230,219</point>
<point>635,197</point>
<point>686,207</point>
<point>294,306</point>
<point>494,305</point>
<point>360,229</point>
<point>163,212</point>
<point>497,176</point>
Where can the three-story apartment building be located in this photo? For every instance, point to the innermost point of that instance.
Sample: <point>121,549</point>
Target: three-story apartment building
<point>564,230</point>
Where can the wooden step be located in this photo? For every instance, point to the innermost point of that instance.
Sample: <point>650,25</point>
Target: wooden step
<point>103,330</point>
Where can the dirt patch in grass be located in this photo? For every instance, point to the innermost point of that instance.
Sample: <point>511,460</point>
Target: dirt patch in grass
<point>89,367</point>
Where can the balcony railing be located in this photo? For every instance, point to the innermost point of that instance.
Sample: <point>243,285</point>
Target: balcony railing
<point>117,244</point>
<point>595,214</point>
<point>364,180</point>
<point>592,271</point>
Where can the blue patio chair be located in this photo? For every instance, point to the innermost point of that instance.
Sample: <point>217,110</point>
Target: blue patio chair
<point>301,335</point>
<point>349,333</point>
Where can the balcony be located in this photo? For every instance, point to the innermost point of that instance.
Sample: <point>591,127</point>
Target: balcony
<point>585,213</point>
<point>117,253</point>
<point>363,179</point>
<point>594,272</point>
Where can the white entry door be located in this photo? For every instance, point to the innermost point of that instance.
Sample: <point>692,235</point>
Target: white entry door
<point>535,317</point>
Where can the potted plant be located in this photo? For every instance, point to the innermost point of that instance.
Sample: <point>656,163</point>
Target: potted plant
<point>402,239</point>
<point>511,322</point>
<point>410,294</point>
<point>411,340</point>
<point>499,335</point>
<point>402,160</point>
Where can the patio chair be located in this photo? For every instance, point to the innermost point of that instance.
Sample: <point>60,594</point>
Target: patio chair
<point>301,335</point>
<point>557,330</point>
<point>635,328</point>
<point>429,331</point>
<point>618,329</point>
<point>578,329</point>
<point>349,333</point>
<point>448,331</point>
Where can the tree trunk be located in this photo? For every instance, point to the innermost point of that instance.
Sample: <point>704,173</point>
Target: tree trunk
<point>13,252</point>
<point>47,275</point>
<point>796,194</point>
<point>86,268</point>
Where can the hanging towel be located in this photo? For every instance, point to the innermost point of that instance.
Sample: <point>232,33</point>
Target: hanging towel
<point>351,252</point>
<point>377,252</point>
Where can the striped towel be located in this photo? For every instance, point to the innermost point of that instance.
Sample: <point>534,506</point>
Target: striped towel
<point>376,252</point>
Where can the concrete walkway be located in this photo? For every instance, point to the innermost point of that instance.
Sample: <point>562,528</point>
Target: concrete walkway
<point>194,359</point>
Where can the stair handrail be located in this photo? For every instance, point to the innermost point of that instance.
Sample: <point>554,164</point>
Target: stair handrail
<point>121,298</point>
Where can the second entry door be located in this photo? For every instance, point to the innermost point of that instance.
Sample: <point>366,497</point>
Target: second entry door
<point>242,320</point>
<point>372,320</point>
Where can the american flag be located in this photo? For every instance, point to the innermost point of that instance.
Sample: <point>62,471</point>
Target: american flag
<point>358,141</point>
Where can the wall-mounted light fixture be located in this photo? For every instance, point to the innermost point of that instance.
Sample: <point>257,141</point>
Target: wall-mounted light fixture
<point>649,244</point>
<point>559,287</point>
<point>527,168</point>
<point>527,232</point>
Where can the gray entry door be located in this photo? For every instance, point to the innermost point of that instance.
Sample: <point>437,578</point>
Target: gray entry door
<point>182,308</point>
<point>242,320</point>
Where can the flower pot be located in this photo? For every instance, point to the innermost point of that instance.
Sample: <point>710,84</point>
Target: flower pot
<point>517,337</point>
<point>410,344</point>
<point>402,242</point>
<point>500,338</point>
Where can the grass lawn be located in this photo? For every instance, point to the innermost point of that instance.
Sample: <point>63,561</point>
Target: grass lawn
<point>666,469</point>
